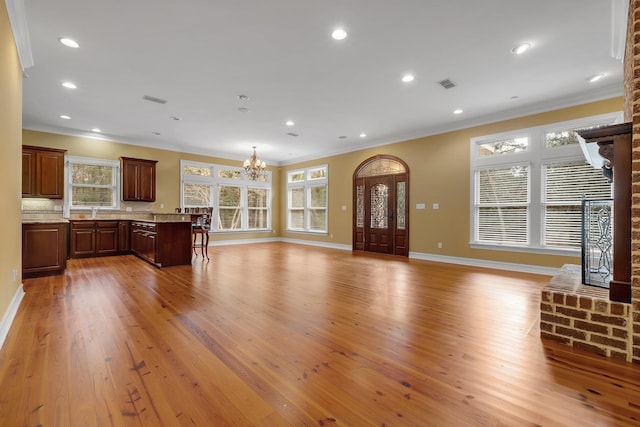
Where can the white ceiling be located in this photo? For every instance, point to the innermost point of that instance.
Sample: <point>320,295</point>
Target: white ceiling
<point>199,55</point>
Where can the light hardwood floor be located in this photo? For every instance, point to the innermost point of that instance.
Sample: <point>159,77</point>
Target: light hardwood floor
<point>277,334</point>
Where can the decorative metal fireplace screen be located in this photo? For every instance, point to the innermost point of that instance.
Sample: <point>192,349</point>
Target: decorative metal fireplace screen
<point>597,242</point>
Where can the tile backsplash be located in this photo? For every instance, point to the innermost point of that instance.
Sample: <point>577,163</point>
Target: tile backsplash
<point>37,209</point>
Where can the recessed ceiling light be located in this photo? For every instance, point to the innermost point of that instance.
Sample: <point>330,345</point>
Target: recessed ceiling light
<point>69,42</point>
<point>521,48</point>
<point>176,118</point>
<point>458,111</point>
<point>289,123</point>
<point>96,130</point>
<point>156,133</point>
<point>339,34</point>
<point>243,97</point>
<point>514,97</point>
<point>342,137</point>
<point>293,134</point>
<point>243,109</point>
<point>363,135</point>
<point>69,85</point>
<point>65,117</point>
<point>595,78</point>
<point>407,78</point>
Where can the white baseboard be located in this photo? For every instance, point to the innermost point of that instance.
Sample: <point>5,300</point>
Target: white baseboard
<point>320,244</point>
<point>472,262</point>
<point>10,314</point>
<point>242,241</point>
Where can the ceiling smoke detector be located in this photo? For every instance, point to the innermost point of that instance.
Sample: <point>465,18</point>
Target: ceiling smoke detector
<point>447,84</point>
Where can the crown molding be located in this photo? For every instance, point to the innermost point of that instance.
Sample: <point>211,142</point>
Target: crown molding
<point>619,18</point>
<point>18,20</point>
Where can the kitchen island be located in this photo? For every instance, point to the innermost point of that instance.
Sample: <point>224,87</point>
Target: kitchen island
<point>163,243</point>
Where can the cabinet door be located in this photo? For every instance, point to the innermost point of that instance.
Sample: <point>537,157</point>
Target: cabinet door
<point>50,174</point>
<point>107,238</point>
<point>147,182</point>
<point>83,240</point>
<point>136,240</point>
<point>150,247</point>
<point>130,171</point>
<point>123,237</point>
<point>28,172</point>
<point>44,249</point>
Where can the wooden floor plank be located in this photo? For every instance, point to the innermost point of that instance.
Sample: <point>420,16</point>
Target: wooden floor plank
<point>278,334</point>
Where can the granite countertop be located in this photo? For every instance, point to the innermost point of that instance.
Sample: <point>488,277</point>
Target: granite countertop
<point>151,217</point>
<point>45,221</point>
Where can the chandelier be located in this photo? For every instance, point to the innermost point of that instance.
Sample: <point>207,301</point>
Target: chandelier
<point>253,167</point>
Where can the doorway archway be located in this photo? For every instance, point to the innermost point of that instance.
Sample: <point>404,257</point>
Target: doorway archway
<point>380,200</point>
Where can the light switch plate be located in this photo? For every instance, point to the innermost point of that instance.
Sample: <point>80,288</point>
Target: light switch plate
<point>420,206</point>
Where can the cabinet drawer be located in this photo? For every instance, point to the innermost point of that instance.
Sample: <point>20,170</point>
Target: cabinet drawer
<point>83,224</point>
<point>107,224</point>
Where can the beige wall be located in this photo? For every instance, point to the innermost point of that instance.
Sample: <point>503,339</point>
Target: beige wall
<point>11,172</point>
<point>439,173</point>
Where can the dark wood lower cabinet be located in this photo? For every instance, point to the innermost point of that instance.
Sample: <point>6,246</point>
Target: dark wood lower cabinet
<point>162,244</point>
<point>98,238</point>
<point>44,249</point>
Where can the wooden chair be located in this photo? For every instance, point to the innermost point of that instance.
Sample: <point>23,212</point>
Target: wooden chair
<point>200,226</point>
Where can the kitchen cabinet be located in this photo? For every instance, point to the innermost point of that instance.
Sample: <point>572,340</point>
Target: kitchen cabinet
<point>98,238</point>
<point>138,180</point>
<point>162,244</point>
<point>44,249</point>
<point>42,172</point>
<point>124,237</point>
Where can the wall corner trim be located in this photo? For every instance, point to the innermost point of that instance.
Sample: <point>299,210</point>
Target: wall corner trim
<point>10,314</point>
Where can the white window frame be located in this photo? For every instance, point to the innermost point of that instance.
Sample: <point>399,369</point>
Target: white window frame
<point>307,184</point>
<point>536,156</point>
<point>115,184</point>
<point>214,181</point>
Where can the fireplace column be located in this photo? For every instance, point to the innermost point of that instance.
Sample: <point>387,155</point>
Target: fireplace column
<point>615,146</point>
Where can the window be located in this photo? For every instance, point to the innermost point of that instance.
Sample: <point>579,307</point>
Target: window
<point>92,183</point>
<point>527,187</point>
<point>239,203</point>
<point>307,199</point>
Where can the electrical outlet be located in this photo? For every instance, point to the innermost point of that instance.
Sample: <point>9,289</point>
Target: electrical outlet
<point>439,245</point>
<point>14,273</point>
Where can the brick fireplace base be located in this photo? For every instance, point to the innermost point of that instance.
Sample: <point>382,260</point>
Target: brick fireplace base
<point>582,316</point>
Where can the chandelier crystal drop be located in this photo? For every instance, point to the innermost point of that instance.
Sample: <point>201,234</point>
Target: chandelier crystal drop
<point>253,167</point>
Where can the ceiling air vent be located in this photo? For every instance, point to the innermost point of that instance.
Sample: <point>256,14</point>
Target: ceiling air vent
<point>446,83</point>
<point>154,99</point>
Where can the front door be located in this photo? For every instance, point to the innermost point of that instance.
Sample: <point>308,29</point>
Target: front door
<point>380,201</point>
<point>379,220</point>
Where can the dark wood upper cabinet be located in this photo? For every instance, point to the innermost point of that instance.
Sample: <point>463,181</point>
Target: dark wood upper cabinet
<point>138,180</point>
<point>42,172</point>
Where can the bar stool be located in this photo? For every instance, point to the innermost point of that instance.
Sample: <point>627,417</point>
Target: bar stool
<point>200,225</point>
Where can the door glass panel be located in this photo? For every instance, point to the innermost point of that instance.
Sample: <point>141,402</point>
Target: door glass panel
<point>379,206</point>
<point>401,209</point>
<point>360,206</point>
<point>378,167</point>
